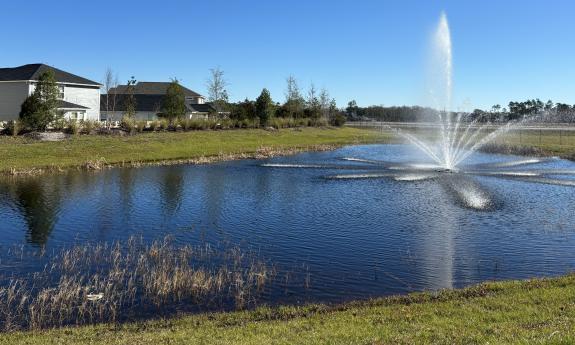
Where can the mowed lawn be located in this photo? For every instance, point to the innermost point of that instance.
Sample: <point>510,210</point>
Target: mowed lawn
<point>21,154</point>
<point>514,312</point>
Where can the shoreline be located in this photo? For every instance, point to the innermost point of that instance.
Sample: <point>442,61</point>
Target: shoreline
<point>92,153</point>
<point>263,152</point>
<point>532,310</point>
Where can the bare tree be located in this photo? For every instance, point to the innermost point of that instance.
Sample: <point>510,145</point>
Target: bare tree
<point>110,85</point>
<point>216,84</point>
<point>294,100</point>
<point>292,90</point>
<point>324,103</point>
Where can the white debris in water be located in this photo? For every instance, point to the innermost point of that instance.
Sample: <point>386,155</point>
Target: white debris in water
<point>94,297</point>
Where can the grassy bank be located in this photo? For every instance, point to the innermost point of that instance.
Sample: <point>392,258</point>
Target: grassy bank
<point>92,151</point>
<point>20,154</point>
<point>546,142</point>
<point>518,312</point>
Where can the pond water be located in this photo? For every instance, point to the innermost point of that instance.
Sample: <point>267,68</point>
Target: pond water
<point>336,239</point>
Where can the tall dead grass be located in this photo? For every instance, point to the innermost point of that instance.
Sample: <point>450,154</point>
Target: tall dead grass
<point>120,281</point>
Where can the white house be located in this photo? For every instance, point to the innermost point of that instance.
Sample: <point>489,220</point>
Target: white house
<point>149,97</point>
<point>79,97</point>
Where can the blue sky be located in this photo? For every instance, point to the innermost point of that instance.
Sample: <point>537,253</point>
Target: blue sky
<point>370,51</point>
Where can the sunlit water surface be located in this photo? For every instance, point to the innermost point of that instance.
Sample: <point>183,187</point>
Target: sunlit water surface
<point>330,240</point>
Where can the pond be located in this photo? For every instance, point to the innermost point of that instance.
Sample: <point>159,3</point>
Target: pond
<point>332,240</point>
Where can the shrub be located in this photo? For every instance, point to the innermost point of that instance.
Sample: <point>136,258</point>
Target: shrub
<point>338,120</point>
<point>59,125</point>
<point>73,127</point>
<point>154,125</point>
<point>186,124</point>
<point>89,126</point>
<point>164,124</point>
<point>141,125</point>
<point>13,127</point>
<point>128,124</point>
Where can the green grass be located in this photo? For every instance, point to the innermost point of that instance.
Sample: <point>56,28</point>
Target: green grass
<point>559,143</point>
<point>22,154</point>
<point>514,312</point>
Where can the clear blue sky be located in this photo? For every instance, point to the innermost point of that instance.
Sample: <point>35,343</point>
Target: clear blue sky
<point>371,51</point>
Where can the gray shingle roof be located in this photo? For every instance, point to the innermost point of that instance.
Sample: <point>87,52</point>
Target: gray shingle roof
<point>200,108</point>
<point>151,88</point>
<point>33,72</point>
<point>151,103</point>
<point>69,105</point>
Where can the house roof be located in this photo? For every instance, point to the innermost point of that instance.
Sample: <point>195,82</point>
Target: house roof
<point>33,72</point>
<point>200,108</point>
<point>151,88</point>
<point>152,103</point>
<point>69,105</point>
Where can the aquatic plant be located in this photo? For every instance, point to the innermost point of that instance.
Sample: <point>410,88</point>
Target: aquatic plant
<point>113,282</point>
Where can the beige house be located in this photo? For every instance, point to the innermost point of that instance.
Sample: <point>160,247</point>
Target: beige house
<point>79,97</point>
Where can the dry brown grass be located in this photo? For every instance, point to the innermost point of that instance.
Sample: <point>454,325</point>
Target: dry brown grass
<point>111,283</point>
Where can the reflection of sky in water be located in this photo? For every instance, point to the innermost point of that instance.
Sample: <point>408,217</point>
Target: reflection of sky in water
<point>355,238</point>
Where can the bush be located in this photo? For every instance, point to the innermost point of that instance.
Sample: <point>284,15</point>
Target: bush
<point>72,127</point>
<point>154,125</point>
<point>128,124</point>
<point>164,124</point>
<point>338,120</point>
<point>89,126</point>
<point>141,125</point>
<point>59,125</point>
<point>13,128</point>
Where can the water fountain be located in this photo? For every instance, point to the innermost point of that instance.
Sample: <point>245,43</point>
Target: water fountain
<point>456,139</point>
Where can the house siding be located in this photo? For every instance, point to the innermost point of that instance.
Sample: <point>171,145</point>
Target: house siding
<point>12,95</point>
<point>86,96</point>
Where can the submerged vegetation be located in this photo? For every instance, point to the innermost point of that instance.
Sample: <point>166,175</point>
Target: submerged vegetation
<point>133,279</point>
<point>539,311</point>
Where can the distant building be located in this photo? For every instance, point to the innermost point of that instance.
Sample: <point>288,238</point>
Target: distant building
<point>149,98</point>
<point>79,97</point>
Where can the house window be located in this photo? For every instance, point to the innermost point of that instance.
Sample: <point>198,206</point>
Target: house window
<point>60,91</point>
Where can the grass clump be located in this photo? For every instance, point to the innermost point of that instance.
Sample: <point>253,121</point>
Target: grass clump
<point>109,283</point>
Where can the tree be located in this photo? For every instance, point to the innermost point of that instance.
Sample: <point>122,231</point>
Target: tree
<point>264,106</point>
<point>351,109</point>
<point>217,93</point>
<point>40,109</point>
<point>130,99</point>
<point>110,85</point>
<point>294,101</point>
<point>324,103</point>
<point>174,104</point>
<point>244,110</point>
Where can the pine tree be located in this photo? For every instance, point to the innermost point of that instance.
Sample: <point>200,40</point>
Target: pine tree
<point>40,109</point>
<point>174,104</point>
<point>264,106</point>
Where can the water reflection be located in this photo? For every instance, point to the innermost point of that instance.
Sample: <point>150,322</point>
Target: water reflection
<point>352,238</point>
<point>39,204</point>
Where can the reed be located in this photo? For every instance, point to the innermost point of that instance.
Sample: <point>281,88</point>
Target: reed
<point>114,282</point>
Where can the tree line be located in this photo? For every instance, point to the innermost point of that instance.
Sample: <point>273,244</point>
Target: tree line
<point>534,109</point>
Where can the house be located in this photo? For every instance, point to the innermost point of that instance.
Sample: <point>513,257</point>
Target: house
<point>149,97</point>
<point>79,97</point>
